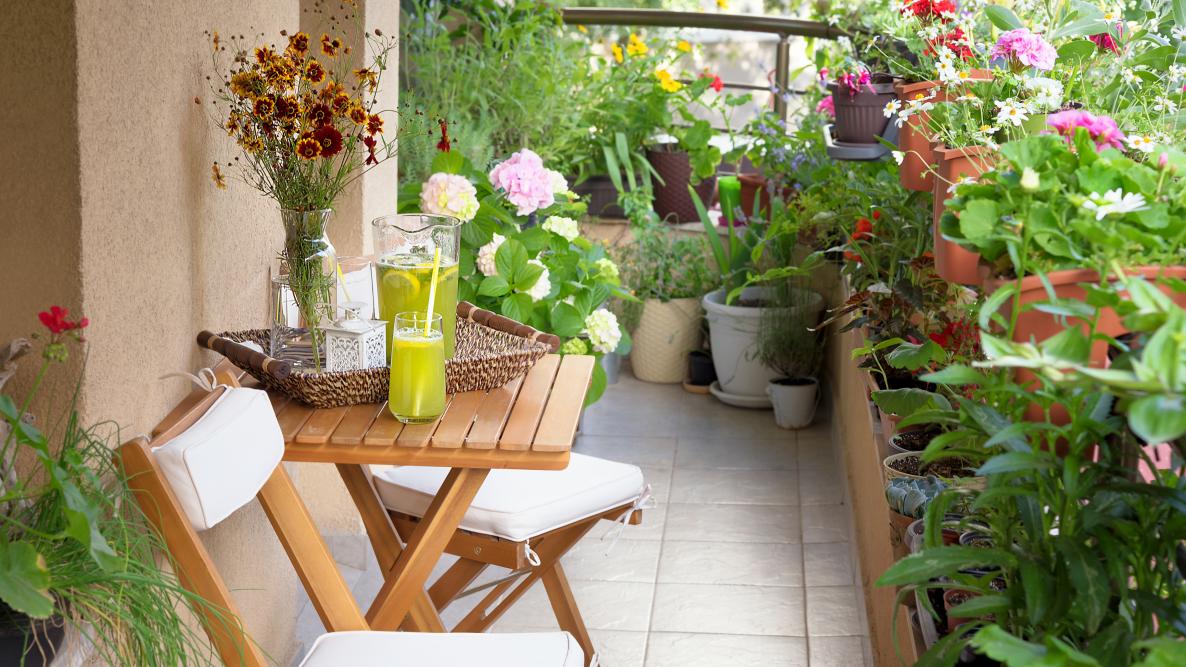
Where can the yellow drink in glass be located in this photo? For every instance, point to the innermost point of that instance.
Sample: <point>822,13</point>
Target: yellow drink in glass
<point>416,394</point>
<point>404,282</point>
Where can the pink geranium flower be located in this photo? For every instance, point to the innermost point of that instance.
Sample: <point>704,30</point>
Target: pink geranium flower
<point>1101,128</point>
<point>1023,48</point>
<point>524,181</point>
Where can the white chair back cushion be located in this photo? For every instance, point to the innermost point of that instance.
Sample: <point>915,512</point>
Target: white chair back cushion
<point>218,465</point>
<point>453,649</point>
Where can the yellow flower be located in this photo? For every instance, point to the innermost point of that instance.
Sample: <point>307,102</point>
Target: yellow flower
<point>617,52</point>
<point>308,148</point>
<point>244,84</point>
<point>636,47</point>
<point>583,30</point>
<point>667,82</point>
<point>684,46</point>
<point>252,144</point>
<point>723,4</point>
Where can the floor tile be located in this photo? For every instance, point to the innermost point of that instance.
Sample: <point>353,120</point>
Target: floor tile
<point>741,563</point>
<point>659,480</point>
<point>746,487</point>
<point>732,523</point>
<point>619,648</point>
<point>828,564</point>
<point>832,612</point>
<point>640,451</point>
<point>628,560</point>
<point>819,486</point>
<point>826,523</point>
<point>758,610</point>
<point>816,450</point>
<point>669,649</point>
<point>605,605</point>
<point>736,454</point>
<point>837,651</point>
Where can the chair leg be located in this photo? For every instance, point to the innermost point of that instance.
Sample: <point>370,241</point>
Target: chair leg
<point>453,581</point>
<point>565,607</point>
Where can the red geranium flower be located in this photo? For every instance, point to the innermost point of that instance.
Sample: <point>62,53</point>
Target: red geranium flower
<point>1105,41</point>
<point>55,320</point>
<point>330,140</point>
<point>717,84</point>
<point>863,230</point>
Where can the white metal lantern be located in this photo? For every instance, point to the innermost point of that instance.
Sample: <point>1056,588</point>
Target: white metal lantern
<point>353,343</point>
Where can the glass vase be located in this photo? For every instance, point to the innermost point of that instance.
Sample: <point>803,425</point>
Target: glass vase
<point>304,294</point>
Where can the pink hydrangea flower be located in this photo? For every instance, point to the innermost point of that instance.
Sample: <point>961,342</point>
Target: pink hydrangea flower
<point>1101,128</point>
<point>826,106</point>
<point>524,181</point>
<point>1024,48</point>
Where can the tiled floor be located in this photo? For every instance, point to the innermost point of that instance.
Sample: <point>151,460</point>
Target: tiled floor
<point>746,560</point>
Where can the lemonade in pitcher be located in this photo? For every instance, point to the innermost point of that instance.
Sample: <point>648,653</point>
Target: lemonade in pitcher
<point>404,282</point>
<point>416,394</point>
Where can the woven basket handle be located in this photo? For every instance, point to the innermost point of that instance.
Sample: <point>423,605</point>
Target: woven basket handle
<point>469,311</point>
<point>244,356</point>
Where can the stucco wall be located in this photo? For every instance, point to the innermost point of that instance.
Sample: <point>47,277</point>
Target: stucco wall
<point>108,208</point>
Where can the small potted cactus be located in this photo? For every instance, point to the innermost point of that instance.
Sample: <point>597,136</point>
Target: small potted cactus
<point>908,498</point>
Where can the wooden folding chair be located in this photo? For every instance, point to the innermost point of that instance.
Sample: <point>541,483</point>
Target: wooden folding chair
<point>159,486</point>
<point>521,520</point>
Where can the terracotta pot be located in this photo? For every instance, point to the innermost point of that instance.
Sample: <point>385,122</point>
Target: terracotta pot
<point>953,597</point>
<point>914,140</point>
<point>751,186</point>
<point>672,200</point>
<point>899,524</point>
<point>953,262</point>
<point>860,116</point>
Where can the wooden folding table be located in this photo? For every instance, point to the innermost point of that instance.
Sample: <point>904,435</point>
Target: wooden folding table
<point>529,424</point>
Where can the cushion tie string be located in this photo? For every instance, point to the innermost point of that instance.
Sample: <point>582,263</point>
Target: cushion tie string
<point>532,557</point>
<point>644,501</point>
<point>205,378</point>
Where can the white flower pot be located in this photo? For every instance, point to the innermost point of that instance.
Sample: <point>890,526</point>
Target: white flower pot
<point>794,404</point>
<point>666,333</point>
<point>733,332</point>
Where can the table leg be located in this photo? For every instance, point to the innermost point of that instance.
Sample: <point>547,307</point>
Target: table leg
<point>405,582</point>
<point>423,617</point>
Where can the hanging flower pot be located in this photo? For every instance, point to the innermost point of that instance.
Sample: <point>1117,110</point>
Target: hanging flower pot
<point>860,114</point>
<point>953,262</point>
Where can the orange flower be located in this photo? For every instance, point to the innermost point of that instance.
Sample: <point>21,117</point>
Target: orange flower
<point>216,175</point>
<point>340,103</point>
<point>367,77</point>
<point>357,114</point>
<point>265,55</point>
<point>314,72</point>
<point>299,43</point>
<point>374,124</point>
<point>330,45</point>
<point>319,115</point>
<point>264,107</point>
<point>308,148</point>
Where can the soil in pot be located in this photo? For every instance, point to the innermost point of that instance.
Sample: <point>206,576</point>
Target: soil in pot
<point>913,441</point>
<point>945,468</point>
<point>953,598</point>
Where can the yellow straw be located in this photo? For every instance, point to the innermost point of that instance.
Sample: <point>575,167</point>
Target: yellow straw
<point>432,292</point>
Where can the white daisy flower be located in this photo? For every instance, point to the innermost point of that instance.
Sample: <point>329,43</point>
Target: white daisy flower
<point>1141,143</point>
<point>898,156</point>
<point>1179,33</point>
<point>891,108</point>
<point>1012,112</point>
<point>1129,75</point>
<point>947,72</point>
<point>1114,202</point>
<point>1165,104</point>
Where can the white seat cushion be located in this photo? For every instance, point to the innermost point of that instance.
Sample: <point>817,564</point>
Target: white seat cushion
<point>425,649</point>
<point>520,504</point>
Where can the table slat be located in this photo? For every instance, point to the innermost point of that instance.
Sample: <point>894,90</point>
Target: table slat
<point>457,419</point>
<point>320,426</point>
<point>558,426</point>
<point>355,424</point>
<point>492,415</point>
<point>529,406</point>
<point>419,435</point>
<point>292,418</point>
<point>384,430</point>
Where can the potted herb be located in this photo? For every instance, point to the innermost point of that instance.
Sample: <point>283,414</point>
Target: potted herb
<point>78,556</point>
<point>789,346</point>
<point>667,272</point>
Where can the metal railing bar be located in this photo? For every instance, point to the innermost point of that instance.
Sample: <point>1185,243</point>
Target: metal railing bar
<point>776,25</point>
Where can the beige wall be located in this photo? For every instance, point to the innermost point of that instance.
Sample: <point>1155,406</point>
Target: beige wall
<point>108,208</point>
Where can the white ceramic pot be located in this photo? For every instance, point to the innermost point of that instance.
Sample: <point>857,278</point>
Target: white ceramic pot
<point>733,332</point>
<point>794,404</point>
<point>666,333</point>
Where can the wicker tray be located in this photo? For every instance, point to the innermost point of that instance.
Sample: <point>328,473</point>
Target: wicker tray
<point>490,351</point>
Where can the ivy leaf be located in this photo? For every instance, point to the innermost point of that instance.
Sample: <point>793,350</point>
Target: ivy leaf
<point>509,259</point>
<point>24,579</point>
<point>494,286</point>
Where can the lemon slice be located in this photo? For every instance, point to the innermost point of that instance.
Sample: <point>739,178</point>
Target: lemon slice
<point>446,271</point>
<point>402,281</point>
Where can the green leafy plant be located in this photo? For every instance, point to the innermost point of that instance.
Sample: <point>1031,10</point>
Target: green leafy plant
<point>662,264</point>
<point>73,544</point>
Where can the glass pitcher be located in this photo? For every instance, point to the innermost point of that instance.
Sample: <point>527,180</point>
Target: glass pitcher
<point>404,248</point>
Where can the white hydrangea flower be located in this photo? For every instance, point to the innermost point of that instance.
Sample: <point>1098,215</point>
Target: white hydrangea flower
<point>607,269</point>
<point>542,285</point>
<point>449,194</point>
<point>559,183</point>
<point>485,260</point>
<point>1047,93</point>
<point>566,227</point>
<point>603,331</point>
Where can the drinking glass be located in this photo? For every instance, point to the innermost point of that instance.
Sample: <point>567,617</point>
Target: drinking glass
<point>417,391</point>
